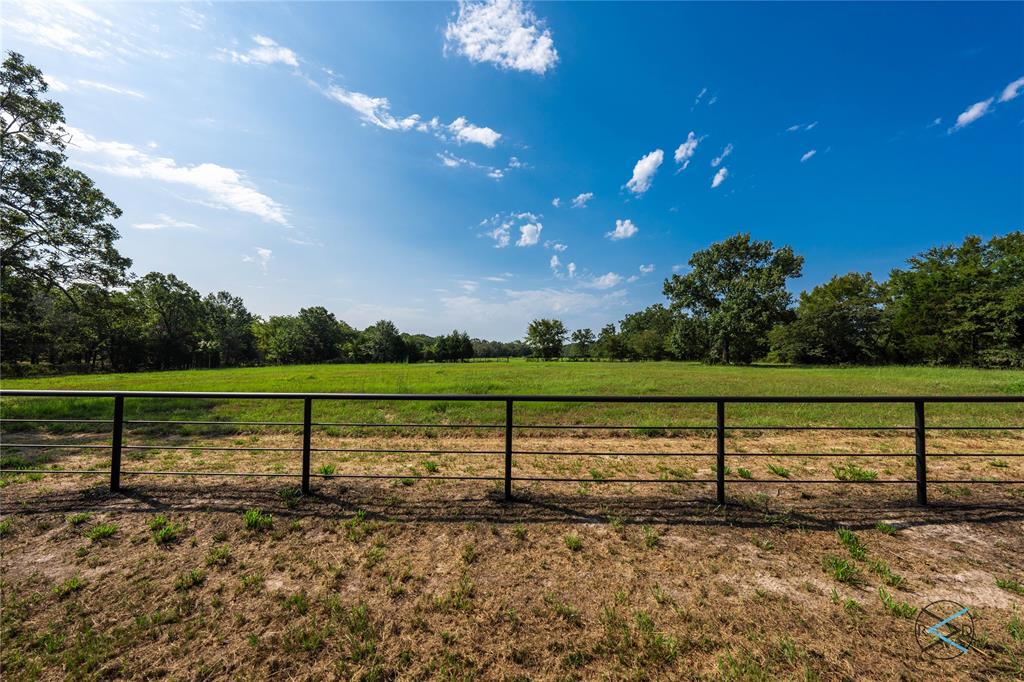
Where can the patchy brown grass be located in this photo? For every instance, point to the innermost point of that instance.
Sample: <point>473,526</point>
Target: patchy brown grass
<point>437,579</point>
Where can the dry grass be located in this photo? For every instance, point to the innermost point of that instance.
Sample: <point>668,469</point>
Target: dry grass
<point>413,579</point>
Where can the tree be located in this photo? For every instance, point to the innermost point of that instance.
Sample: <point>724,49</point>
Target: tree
<point>229,330</point>
<point>837,322</point>
<point>381,342</point>
<point>610,345</point>
<point>546,338</point>
<point>55,224</point>
<point>645,334</point>
<point>583,342</point>
<point>172,314</point>
<point>960,304</point>
<point>738,289</point>
<point>321,334</point>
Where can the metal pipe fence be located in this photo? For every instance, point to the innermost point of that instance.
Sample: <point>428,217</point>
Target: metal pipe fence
<point>720,429</point>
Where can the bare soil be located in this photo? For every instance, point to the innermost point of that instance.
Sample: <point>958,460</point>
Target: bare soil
<point>405,578</point>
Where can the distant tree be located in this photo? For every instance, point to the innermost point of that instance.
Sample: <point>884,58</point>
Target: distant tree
<point>738,288</point>
<point>646,333</point>
<point>321,332</point>
<point>689,339</point>
<point>172,314</point>
<point>229,336</point>
<point>583,342</point>
<point>610,345</point>
<point>546,338</point>
<point>55,224</point>
<point>837,322</point>
<point>381,342</point>
<point>960,304</point>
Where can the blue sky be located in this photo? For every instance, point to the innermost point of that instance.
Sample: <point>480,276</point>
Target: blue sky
<point>477,166</point>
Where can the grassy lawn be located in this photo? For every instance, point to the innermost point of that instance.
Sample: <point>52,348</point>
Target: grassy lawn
<point>520,377</point>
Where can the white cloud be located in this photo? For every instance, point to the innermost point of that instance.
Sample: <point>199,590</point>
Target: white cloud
<point>1012,91</point>
<point>504,33</point>
<point>465,131</point>
<point>555,263</point>
<point>624,229</point>
<point>720,177</point>
<point>972,114</point>
<point>165,222</point>
<point>95,85</point>
<point>581,199</point>
<point>937,121</point>
<point>556,246</point>
<point>224,187</point>
<point>807,155</point>
<point>375,110</point>
<point>644,170</point>
<point>529,234</point>
<point>686,150</point>
<point>571,269</point>
<point>647,269</point>
<point>468,285</point>
<point>556,202</point>
<point>55,84</point>
<point>262,258</point>
<point>696,100</point>
<point>266,51</point>
<point>801,126</point>
<point>606,281</point>
<point>717,161</point>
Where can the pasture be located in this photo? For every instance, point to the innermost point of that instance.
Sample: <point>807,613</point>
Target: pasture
<point>407,578</point>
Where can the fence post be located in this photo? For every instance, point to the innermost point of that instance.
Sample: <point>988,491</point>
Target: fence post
<point>115,444</point>
<point>720,451</point>
<point>508,450</point>
<point>307,432</point>
<point>919,449</point>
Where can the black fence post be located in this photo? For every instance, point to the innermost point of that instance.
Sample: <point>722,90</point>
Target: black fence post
<point>720,451</point>
<point>115,444</point>
<point>919,449</point>
<point>508,450</point>
<point>307,432</point>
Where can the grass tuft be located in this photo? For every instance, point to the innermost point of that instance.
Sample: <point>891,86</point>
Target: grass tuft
<point>840,569</point>
<point>895,608</point>
<point>101,532</point>
<point>69,586</point>
<point>257,521</point>
<point>189,579</point>
<point>573,542</point>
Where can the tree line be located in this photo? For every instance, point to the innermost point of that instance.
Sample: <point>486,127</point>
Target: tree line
<point>68,300</point>
<point>950,305</point>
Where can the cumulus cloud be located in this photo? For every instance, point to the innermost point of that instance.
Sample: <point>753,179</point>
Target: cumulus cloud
<point>647,269</point>
<point>720,177</point>
<point>807,155</point>
<point>465,131</point>
<point>717,161</point>
<point>686,150</point>
<point>624,229</point>
<point>556,202</point>
<point>643,172</point>
<point>555,263</point>
<point>571,269</point>
<point>580,201</point>
<point>1012,91</point>
<point>972,114</point>
<point>504,33</point>
<point>262,258</point>
<point>266,51</point>
<point>166,222</point>
<point>556,246</point>
<point>223,187</point>
<point>606,281</point>
<point>529,234</point>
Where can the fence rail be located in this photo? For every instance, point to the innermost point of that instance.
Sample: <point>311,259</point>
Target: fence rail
<point>720,429</point>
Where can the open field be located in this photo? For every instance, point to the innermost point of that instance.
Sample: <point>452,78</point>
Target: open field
<point>407,578</point>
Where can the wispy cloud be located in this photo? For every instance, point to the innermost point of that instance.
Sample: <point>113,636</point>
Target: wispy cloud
<point>55,84</point>
<point>555,263</point>
<point>555,246</point>
<point>807,155</point>
<point>643,172</point>
<point>1012,91</point>
<point>580,201</point>
<point>222,187</point>
<point>96,85</point>
<point>504,33</point>
<point>624,229</point>
<point>686,150</point>
<point>720,177</point>
<point>262,258</point>
<point>801,126</point>
<point>972,114</point>
<point>571,269</point>
<point>717,161</point>
<point>266,51</point>
<point>606,281</point>
<point>166,222</point>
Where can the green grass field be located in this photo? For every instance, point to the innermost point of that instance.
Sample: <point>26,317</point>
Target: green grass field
<point>520,377</point>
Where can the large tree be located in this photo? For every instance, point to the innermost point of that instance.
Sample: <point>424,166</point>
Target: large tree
<point>55,224</point>
<point>836,322</point>
<point>546,338</point>
<point>736,287</point>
